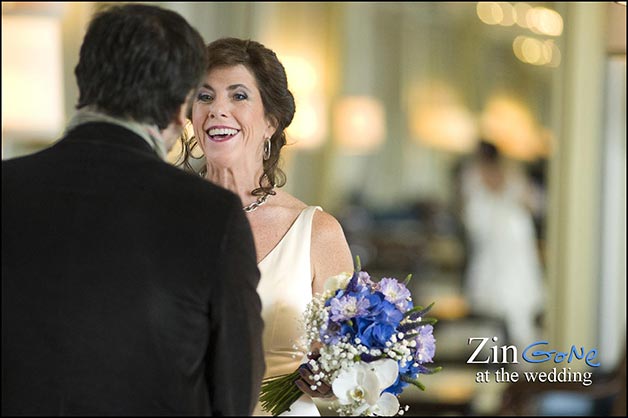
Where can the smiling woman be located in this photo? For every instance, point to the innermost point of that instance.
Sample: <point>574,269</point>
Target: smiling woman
<point>239,117</point>
<point>230,123</point>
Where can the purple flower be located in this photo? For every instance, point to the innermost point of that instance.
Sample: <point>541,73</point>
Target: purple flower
<point>347,307</point>
<point>425,345</point>
<point>365,279</point>
<point>395,292</point>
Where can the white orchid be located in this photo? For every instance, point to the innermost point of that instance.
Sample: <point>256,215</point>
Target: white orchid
<point>339,281</point>
<point>363,383</point>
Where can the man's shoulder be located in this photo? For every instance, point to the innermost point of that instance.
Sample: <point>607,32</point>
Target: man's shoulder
<point>187,182</point>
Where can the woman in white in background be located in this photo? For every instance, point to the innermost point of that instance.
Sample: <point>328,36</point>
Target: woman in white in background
<point>504,275</point>
<point>239,117</point>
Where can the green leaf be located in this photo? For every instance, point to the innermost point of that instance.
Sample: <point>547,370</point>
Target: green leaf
<point>418,310</point>
<point>434,370</point>
<point>358,264</point>
<point>414,382</point>
<point>407,280</point>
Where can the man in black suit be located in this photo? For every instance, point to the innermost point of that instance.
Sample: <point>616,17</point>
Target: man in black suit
<point>128,285</point>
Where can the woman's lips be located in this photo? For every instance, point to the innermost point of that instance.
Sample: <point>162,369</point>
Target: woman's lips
<point>221,138</point>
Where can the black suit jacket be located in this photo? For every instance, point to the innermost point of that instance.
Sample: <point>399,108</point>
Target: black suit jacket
<point>128,285</point>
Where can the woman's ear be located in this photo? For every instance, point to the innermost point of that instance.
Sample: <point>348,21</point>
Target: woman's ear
<point>271,127</point>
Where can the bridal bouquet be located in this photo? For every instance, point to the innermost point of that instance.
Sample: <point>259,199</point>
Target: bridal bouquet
<point>373,343</point>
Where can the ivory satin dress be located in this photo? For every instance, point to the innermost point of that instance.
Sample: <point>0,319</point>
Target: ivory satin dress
<point>285,289</point>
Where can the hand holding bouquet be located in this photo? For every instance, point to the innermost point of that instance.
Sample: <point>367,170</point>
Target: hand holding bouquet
<point>373,343</point>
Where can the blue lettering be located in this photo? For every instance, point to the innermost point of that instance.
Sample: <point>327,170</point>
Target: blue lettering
<point>547,354</point>
<point>560,356</point>
<point>590,356</point>
<point>575,353</point>
<point>541,356</point>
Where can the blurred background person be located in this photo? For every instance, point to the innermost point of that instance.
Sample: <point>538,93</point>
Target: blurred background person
<point>504,274</point>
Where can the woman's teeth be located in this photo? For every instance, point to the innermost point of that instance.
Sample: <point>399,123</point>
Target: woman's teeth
<point>221,133</point>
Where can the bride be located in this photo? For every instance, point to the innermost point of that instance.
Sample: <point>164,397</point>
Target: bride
<point>239,116</point>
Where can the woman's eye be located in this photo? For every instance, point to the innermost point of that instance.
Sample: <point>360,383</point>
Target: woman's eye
<point>204,97</point>
<point>240,96</point>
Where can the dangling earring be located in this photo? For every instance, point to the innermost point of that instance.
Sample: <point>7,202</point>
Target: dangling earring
<point>267,149</point>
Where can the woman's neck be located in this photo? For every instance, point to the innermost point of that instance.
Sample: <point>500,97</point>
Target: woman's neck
<point>241,180</point>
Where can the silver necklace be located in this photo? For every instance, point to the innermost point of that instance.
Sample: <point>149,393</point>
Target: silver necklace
<point>259,202</point>
<point>253,206</point>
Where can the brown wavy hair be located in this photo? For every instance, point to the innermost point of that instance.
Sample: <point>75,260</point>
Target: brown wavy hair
<point>278,101</point>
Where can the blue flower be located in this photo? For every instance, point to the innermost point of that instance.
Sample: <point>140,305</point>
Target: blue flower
<point>397,387</point>
<point>408,370</point>
<point>374,334</point>
<point>383,311</point>
<point>354,284</point>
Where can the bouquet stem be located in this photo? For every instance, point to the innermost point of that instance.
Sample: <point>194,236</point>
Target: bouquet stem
<point>279,392</point>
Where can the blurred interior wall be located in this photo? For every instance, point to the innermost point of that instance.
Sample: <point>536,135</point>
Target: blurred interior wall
<point>575,216</point>
<point>612,306</point>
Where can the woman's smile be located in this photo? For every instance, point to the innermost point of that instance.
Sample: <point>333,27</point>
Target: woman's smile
<point>221,133</point>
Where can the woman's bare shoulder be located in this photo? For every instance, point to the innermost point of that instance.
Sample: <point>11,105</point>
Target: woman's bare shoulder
<point>330,250</point>
<point>286,202</point>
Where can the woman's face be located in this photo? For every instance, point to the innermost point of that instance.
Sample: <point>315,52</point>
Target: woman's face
<point>229,119</point>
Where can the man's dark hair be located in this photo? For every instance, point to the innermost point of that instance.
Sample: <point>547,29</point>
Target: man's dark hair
<point>139,62</point>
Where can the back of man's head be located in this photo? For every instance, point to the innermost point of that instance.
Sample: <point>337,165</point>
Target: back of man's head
<point>139,62</point>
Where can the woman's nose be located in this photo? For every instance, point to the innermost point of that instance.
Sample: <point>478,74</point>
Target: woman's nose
<point>217,108</point>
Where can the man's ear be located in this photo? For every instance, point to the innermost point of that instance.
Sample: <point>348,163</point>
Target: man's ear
<point>183,113</point>
<point>174,130</point>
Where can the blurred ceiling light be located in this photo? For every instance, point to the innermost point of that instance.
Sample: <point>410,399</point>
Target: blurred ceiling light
<point>309,125</point>
<point>439,119</point>
<point>532,18</point>
<point>31,76</point>
<point>521,10</point>
<point>450,128</point>
<point>509,14</point>
<point>517,47</point>
<point>550,22</point>
<point>536,52</point>
<point>359,124</point>
<point>490,12</point>
<point>544,21</point>
<point>510,125</point>
<point>531,50</point>
<point>301,74</point>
